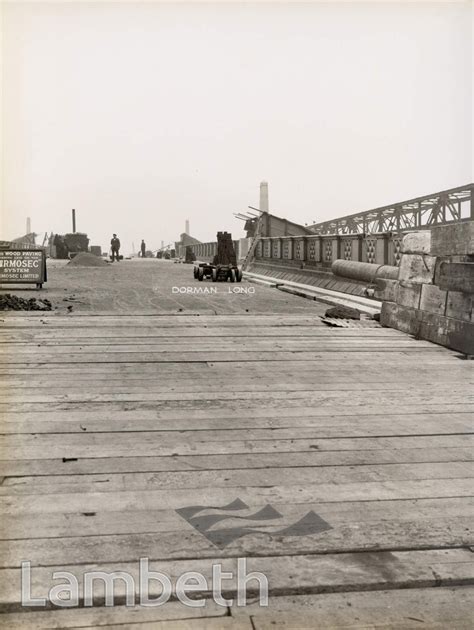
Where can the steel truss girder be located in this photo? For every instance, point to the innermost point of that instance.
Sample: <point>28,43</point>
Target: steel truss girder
<point>435,209</point>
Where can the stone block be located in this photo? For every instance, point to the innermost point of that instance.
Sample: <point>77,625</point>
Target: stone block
<point>460,336</point>
<point>459,305</point>
<point>416,242</point>
<point>409,294</point>
<point>417,268</point>
<point>446,259</point>
<point>456,276</point>
<point>433,299</point>
<point>453,240</point>
<point>445,331</point>
<point>399,317</point>
<point>386,290</point>
<point>433,327</point>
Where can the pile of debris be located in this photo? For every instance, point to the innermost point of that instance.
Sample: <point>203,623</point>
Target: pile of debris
<point>85,259</point>
<point>9,302</point>
<point>348,317</point>
<point>342,312</point>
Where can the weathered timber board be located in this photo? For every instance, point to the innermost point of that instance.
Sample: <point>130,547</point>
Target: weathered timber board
<point>288,574</point>
<point>345,514</point>
<point>232,461</point>
<point>175,543</point>
<point>437,609</point>
<point>176,498</point>
<point>44,446</point>
<point>241,428</point>
<point>302,476</point>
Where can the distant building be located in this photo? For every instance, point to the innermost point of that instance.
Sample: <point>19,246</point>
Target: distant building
<point>185,240</point>
<point>272,225</point>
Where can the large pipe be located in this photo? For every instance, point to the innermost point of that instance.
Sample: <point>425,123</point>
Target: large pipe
<point>366,272</point>
<point>73,221</point>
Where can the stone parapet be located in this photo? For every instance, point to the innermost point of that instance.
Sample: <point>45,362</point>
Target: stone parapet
<point>456,276</point>
<point>416,242</point>
<point>453,240</point>
<point>434,294</point>
<point>417,268</point>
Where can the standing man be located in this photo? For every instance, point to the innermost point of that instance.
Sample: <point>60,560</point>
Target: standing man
<point>143,249</point>
<point>115,246</point>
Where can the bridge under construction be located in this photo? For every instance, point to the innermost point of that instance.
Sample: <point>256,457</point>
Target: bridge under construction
<point>329,467</point>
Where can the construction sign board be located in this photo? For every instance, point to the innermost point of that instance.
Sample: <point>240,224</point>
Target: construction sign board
<point>22,266</point>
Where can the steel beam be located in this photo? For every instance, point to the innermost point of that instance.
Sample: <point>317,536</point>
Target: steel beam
<point>436,209</point>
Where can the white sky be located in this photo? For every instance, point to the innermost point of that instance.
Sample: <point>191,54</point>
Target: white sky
<point>141,115</point>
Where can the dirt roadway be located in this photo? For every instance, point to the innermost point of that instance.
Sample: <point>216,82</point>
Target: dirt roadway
<point>149,286</point>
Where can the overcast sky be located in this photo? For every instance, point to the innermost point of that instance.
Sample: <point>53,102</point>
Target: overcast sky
<point>141,115</point>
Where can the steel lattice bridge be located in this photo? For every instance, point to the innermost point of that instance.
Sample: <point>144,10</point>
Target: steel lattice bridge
<point>447,206</point>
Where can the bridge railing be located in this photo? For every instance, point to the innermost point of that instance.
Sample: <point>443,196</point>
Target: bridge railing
<point>447,206</point>
<point>323,250</point>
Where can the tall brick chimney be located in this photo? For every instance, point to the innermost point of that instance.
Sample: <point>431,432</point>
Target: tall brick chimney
<point>263,197</point>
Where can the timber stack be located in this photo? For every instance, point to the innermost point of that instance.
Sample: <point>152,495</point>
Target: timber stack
<point>225,250</point>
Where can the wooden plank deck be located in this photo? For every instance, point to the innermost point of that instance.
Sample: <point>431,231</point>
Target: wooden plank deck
<point>111,424</point>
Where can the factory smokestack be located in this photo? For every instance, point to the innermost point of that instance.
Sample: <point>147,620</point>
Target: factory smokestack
<point>263,197</point>
<point>186,229</point>
<point>73,221</point>
<point>28,225</point>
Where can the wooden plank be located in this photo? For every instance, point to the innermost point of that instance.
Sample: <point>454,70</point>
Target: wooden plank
<point>187,543</point>
<point>104,616</point>
<point>322,402</point>
<point>235,367</point>
<point>148,375</point>
<point>176,409</point>
<point>309,395</point>
<point>135,386</point>
<point>151,412</point>
<point>314,573</point>
<point>142,444</point>
<point>437,608</point>
<point>351,518</point>
<point>214,356</point>
<point>177,498</point>
<point>397,359</point>
<point>138,334</point>
<point>177,617</point>
<point>204,345</point>
<point>302,476</point>
<point>142,334</point>
<point>289,460</point>
<point>407,609</point>
<point>231,367</point>
<point>11,322</point>
<point>329,378</point>
<point>224,623</point>
<point>258,428</point>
